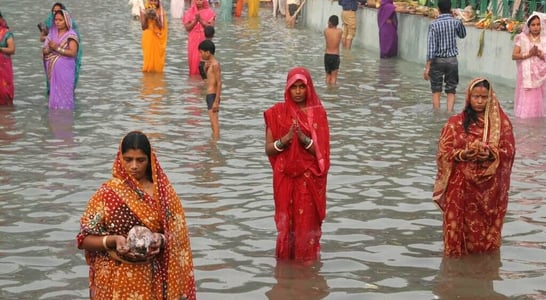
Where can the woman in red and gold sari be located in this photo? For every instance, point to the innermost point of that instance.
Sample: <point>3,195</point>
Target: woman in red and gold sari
<point>7,49</point>
<point>475,155</point>
<point>139,194</point>
<point>155,31</point>
<point>298,148</point>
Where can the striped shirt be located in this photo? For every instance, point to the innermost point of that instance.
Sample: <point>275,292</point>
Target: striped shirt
<point>442,35</point>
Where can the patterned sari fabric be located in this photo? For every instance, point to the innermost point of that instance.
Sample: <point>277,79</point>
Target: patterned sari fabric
<point>388,29</point>
<point>473,195</point>
<point>529,101</point>
<point>154,42</point>
<point>197,34</point>
<point>7,90</point>
<point>114,209</point>
<point>61,69</point>
<point>299,177</point>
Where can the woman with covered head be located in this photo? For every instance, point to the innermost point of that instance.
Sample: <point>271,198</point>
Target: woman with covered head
<point>7,49</point>
<point>44,30</point>
<point>475,155</point>
<point>195,19</point>
<point>297,143</point>
<point>529,48</point>
<point>139,194</point>
<point>155,30</point>
<point>60,52</point>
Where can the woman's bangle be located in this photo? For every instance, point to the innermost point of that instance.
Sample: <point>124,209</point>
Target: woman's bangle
<point>278,145</point>
<point>162,246</point>
<point>104,244</point>
<point>460,155</point>
<point>309,144</point>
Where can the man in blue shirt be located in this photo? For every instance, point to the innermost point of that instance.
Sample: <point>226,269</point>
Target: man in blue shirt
<point>348,21</point>
<point>442,65</point>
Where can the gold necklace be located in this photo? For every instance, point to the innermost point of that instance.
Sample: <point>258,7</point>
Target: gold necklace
<point>534,39</point>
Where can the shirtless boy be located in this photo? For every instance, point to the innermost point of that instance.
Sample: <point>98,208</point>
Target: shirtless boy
<point>332,36</point>
<point>214,84</point>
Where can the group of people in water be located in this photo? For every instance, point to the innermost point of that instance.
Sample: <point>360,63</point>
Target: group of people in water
<point>476,151</point>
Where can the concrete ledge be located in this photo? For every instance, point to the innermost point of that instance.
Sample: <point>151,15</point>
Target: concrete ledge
<point>496,62</point>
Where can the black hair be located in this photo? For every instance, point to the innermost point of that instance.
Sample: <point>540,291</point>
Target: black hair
<point>470,115</point>
<point>334,20</point>
<point>209,32</point>
<point>58,4</point>
<point>531,20</point>
<point>207,45</point>
<point>136,140</point>
<point>444,6</point>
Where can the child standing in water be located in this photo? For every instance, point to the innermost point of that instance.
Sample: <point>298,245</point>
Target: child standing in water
<point>209,34</point>
<point>214,84</point>
<point>332,37</point>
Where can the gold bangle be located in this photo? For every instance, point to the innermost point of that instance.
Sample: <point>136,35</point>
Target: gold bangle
<point>460,155</point>
<point>104,242</point>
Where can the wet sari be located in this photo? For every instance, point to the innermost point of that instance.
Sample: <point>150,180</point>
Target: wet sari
<point>253,7</point>
<point>473,195</point>
<point>74,26</point>
<point>388,29</point>
<point>299,177</point>
<point>197,34</point>
<point>226,10</point>
<point>154,41</point>
<point>530,92</point>
<point>61,69</point>
<point>7,89</point>
<point>117,206</point>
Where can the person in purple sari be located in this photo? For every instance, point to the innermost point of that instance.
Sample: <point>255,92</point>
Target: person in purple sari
<point>388,29</point>
<point>60,51</point>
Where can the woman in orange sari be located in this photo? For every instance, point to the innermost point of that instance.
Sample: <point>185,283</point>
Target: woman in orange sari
<point>139,194</point>
<point>155,31</point>
<point>475,155</point>
<point>7,49</point>
<point>297,144</point>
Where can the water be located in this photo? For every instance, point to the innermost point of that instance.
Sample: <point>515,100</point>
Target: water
<point>382,235</point>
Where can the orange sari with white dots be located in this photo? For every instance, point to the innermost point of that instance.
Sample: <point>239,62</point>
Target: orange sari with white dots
<point>115,208</point>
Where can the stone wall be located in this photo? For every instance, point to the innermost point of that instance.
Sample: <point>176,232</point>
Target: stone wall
<point>496,62</point>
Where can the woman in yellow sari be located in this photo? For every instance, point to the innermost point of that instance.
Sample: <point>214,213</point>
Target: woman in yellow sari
<point>139,194</point>
<point>154,36</point>
<point>253,6</point>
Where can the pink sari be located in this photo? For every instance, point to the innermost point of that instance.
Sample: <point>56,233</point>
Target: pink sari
<point>7,89</point>
<point>197,34</point>
<point>530,92</point>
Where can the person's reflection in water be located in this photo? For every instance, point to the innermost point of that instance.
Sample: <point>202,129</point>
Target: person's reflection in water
<point>8,128</point>
<point>469,277</point>
<point>61,123</point>
<point>153,90</point>
<point>298,280</point>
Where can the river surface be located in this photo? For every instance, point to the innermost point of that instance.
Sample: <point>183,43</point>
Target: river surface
<point>382,238</point>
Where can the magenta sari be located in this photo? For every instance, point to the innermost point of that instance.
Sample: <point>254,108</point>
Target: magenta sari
<point>388,29</point>
<point>7,90</point>
<point>197,34</point>
<point>60,69</point>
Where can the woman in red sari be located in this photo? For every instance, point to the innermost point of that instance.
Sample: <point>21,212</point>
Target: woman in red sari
<point>298,148</point>
<point>475,155</point>
<point>139,194</point>
<point>7,49</point>
<point>195,19</point>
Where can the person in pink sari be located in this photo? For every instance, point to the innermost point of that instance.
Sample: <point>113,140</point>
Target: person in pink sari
<point>60,51</point>
<point>529,47</point>
<point>195,19</point>
<point>7,49</point>
<point>297,144</point>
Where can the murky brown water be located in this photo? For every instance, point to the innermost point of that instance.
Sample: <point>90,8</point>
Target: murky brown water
<point>382,235</point>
